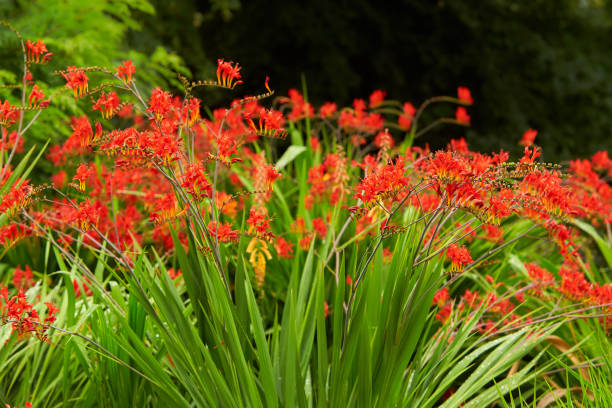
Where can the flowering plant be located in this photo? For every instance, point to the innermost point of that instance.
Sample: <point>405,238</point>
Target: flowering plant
<point>205,262</point>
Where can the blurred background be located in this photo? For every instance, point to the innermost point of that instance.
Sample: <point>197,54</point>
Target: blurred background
<point>542,64</point>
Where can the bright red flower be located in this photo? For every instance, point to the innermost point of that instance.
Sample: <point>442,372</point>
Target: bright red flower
<point>83,173</point>
<point>459,256</point>
<point>462,116</point>
<point>327,109</point>
<point>126,70</point>
<point>283,248</point>
<point>320,227</point>
<point>224,232</point>
<point>195,182</point>
<point>36,98</point>
<point>23,279</point>
<point>405,119</point>
<point>441,297</point>
<point>259,221</point>
<point>377,98</point>
<point>159,103</point>
<point>107,104</point>
<point>464,95</point>
<point>528,137</point>
<point>76,80</point>
<point>8,114</point>
<point>35,50</point>
<point>228,74</point>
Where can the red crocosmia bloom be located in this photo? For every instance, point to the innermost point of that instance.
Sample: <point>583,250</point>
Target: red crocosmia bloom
<point>459,146</point>
<point>270,174</point>
<point>441,297</point>
<point>528,137</point>
<point>405,120</point>
<point>601,161</point>
<point>77,288</point>
<point>159,103</point>
<point>196,183</point>
<point>462,117</point>
<point>299,107</point>
<point>459,256</point>
<point>228,74</point>
<point>444,313</point>
<point>320,227</point>
<point>384,140</point>
<point>539,276</point>
<point>326,309</point>
<point>51,311</point>
<point>174,274</point>
<point>377,98</point>
<point>36,50</point>
<point>126,70</point>
<point>464,95</point>
<point>8,114</point>
<point>18,197</point>
<point>165,209</point>
<point>305,242</point>
<point>191,113</point>
<point>259,221</point>
<point>83,172</point>
<point>10,234</point>
<point>224,232</point>
<point>283,248</point>
<point>327,109</point>
<point>349,281</point>
<point>23,279</point>
<point>107,104</point>
<point>471,299</point>
<point>87,214</point>
<point>76,80</point>
<point>530,155</point>
<point>386,180</point>
<point>36,96</point>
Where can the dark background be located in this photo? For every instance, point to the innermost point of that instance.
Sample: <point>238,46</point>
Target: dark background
<point>545,64</point>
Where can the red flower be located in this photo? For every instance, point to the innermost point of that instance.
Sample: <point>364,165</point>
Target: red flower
<point>159,103</point>
<point>441,297</point>
<point>35,50</point>
<point>195,182</point>
<point>77,288</point>
<point>18,197</point>
<point>283,248</point>
<point>223,232</point>
<point>462,116</point>
<point>35,96</point>
<point>377,98</point>
<point>228,74</point>
<point>384,140</point>
<point>126,70</point>
<point>459,256</point>
<point>76,80</point>
<point>8,114</point>
<point>12,233</point>
<point>23,279</point>
<point>83,172</point>
<point>328,109</point>
<point>528,137</point>
<point>258,221</point>
<point>464,95</point>
<point>320,227</point>
<point>405,120</point>
<point>107,104</point>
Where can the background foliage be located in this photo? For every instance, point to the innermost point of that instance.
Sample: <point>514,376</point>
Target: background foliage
<point>541,64</point>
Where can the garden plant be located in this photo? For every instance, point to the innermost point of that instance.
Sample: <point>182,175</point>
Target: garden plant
<point>273,254</point>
